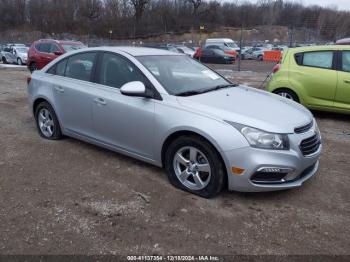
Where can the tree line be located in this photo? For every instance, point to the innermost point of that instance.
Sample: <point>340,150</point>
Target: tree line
<point>127,19</point>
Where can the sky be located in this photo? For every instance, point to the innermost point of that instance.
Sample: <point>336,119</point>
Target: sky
<point>339,4</point>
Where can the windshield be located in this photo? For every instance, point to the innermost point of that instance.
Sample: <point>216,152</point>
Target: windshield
<point>232,45</point>
<point>181,74</point>
<point>22,50</point>
<point>68,48</point>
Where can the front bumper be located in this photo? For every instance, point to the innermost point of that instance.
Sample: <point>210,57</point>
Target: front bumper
<point>251,160</point>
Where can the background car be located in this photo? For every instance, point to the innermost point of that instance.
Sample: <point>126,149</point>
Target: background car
<point>317,77</point>
<point>164,47</point>
<point>214,56</point>
<point>21,54</point>
<point>7,57</point>
<point>44,51</point>
<point>185,50</point>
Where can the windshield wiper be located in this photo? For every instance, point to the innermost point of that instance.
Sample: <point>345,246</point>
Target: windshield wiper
<point>197,92</point>
<point>218,87</point>
<point>190,93</point>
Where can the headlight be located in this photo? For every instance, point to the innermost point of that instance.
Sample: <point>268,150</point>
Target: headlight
<point>264,140</point>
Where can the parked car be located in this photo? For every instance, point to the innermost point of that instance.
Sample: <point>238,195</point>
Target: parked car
<point>223,42</point>
<point>345,41</point>
<point>226,50</point>
<point>255,53</point>
<point>7,57</point>
<point>21,54</point>
<point>318,77</point>
<point>44,51</point>
<point>171,111</point>
<point>185,50</point>
<point>164,47</point>
<point>214,56</point>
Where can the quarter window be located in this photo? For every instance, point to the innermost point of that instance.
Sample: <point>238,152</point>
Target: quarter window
<point>322,59</point>
<point>80,66</point>
<point>116,71</point>
<point>346,61</point>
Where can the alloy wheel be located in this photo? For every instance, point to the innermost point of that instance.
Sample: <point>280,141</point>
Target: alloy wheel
<point>46,123</point>
<point>286,95</point>
<point>192,168</point>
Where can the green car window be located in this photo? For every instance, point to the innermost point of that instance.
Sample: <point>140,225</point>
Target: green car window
<point>346,61</point>
<point>323,59</point>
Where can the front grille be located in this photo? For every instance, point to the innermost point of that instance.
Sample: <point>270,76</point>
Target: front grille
<point>303,129</point>
<point>310,145</point>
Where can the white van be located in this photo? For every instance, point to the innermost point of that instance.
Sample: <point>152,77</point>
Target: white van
<point>227,43</point>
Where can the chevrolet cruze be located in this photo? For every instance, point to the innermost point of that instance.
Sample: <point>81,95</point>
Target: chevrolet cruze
<point>174,112</point>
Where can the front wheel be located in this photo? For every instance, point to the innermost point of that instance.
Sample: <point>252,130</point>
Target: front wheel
<point>19,61</point>
<point>194,165</point>
<point>32,67</point>
<point>4,61</point>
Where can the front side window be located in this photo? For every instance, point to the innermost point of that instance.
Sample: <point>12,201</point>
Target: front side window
<point>54,48</point>
<point>346,61</point>
<point>180,74</point>
<point>80,66</point>
<point>43,47</point>
<point>116,71</point>
<point>323,59</point>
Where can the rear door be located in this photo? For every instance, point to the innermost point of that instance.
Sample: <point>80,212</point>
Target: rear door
<point>342,96</point>
<point>317,76</point>
<point>73,92</point>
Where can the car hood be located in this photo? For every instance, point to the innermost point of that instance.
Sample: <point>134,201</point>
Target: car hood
<point>251,107</point>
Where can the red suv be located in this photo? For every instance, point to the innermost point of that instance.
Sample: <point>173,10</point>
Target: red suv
<point>44,51</point>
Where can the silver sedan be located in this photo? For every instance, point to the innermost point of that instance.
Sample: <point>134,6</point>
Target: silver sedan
<point>174,112</point>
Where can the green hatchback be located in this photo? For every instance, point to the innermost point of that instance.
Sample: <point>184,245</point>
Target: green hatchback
<point>318,77</point>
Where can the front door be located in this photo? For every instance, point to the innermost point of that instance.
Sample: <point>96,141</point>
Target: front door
<point>121,121</point>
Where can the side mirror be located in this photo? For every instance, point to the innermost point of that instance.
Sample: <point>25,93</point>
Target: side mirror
<point>58,53</point>
<point>135,88</point>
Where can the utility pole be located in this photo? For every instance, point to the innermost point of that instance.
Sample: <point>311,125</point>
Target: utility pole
<point>240,48</point>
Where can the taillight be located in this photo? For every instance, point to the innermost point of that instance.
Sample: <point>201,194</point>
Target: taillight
<point>29,78</point>
<point>276,68</point>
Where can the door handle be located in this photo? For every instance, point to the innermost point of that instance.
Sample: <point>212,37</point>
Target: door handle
<point>59,89</point>
<point>100,101</point>
<point>346,81</point>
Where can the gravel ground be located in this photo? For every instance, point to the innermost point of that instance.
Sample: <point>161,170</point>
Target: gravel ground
<point>69,197</point>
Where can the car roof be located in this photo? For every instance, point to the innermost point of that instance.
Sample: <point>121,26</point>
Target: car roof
<point>136,51</point>
<point>319,48</point>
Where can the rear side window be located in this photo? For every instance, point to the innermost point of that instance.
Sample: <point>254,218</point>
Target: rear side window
<point>43,47</point>
<point>116,71</point>
<point>323,59</point>
<point>59,68</point>
<point>80,66</point>
<point>346,61</point>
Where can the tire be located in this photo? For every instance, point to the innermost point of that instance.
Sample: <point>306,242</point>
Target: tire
<point>47,122</point>
<point>33,67</point>
<point>242,57</point>
<point>287,93</point>
<point>206,164</point>
<point>260,58</point>
<point>4,61</point>
<point>19,61</point>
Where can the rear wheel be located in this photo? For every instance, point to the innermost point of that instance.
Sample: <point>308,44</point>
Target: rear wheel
<point>260,58</point>
<point>194,165</point>
<point>47,122</point>
<point>4,61</point>
<point>287,93</point>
